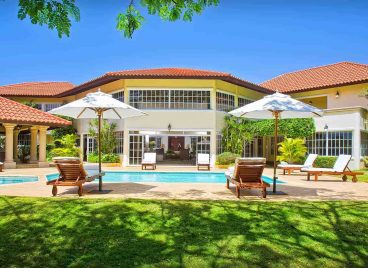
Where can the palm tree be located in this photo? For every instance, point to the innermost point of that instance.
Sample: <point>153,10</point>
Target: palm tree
<point>292,150</point>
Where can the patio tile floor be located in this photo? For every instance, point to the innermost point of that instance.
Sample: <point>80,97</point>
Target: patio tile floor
<point>296,188</point>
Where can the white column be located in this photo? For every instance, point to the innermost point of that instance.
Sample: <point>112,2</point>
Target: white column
<point>9,136</point>
<point>33,149</point>
<point>15,144</point>
<point>42,147</point>
<point>126,146</point>
<point>213,147</point>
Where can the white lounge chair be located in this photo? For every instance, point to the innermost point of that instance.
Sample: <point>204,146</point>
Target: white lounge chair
<point>203,160</point>
<point>1,166</point>
<point>340,168</point>
<point>291,167</point>
<point>149,159</point>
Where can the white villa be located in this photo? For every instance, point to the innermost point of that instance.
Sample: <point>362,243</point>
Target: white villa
<point>186,108</point>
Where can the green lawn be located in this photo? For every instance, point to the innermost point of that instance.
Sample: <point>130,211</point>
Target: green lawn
<point>363,178</point>
<point>52,232</point>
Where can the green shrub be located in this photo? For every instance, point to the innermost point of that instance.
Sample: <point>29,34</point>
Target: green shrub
<point>325,161</point>
<point>105,158</point>
<point>365,161</point>
<point>57,152</point>
<point>65,147</point>
<point>292,150</point>
<point>226,158</point>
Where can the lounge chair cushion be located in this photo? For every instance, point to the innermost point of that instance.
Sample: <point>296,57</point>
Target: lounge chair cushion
<point>149,158</point>
<point>308,163</point>
<point>339,166</point>
<point>203,159</point>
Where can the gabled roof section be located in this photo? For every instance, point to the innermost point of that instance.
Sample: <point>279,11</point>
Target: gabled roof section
<point>164,73</point>
<point>15,112</point>
<point>333,75</point>
<point>35,89</point>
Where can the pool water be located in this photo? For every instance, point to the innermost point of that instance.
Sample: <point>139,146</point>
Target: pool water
<point>17,179</point>
<point>186,177</point>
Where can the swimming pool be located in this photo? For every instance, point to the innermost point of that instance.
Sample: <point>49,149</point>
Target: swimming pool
<point>170,177</point>
<point>17,179</point>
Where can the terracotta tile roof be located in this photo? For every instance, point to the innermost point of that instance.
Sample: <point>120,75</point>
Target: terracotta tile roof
<point>164,73</point>
<point>338,74</point>
<point>15,112</point>
<point>35,89</point>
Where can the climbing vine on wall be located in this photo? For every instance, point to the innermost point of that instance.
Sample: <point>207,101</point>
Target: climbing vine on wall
<point>238,131</point>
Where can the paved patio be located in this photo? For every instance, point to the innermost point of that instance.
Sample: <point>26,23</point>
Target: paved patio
<point>296,188</point>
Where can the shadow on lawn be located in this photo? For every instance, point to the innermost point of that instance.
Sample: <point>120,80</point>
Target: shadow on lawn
<point>106,233</point>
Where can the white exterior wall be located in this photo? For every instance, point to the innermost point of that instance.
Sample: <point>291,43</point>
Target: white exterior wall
<point>344,119</point>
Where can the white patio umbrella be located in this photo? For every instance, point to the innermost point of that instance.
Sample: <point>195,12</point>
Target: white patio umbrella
<point>276,106</point>
<point>97,105</point>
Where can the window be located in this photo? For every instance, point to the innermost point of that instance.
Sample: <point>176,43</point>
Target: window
<point>149,99</point>
<point>118,95</point>
<point>190,99</point>
<point>201,144</point>
<point>120,145</point>
<point>49,106</point>
<point>336,143</point>
<point>364,143</point>
<point>248,149</point>
<point>154,141</point>
<point>219,148</point>
<point>243,101</point>
<point>24,139</point>
<point>91,145</point>
<point>225,102</point>
<point>135,149</point>
<point>171,99</point>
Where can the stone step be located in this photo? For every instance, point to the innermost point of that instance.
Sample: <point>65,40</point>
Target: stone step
<point>21,165</point>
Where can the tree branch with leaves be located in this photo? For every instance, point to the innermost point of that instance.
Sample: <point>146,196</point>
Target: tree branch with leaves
<point>59,14</point>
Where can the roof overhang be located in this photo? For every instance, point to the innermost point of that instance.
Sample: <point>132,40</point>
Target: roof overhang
<point>111,78</point>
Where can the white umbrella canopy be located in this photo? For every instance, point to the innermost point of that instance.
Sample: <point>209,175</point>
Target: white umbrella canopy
<point>277,102</point>
<point>88,107</point>
<point>276,106</point>
<point>98,105</point>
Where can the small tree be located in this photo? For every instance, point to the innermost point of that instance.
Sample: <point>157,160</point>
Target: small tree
<point>67,146</point>
<point>108,137</point>
<point>292,150</point>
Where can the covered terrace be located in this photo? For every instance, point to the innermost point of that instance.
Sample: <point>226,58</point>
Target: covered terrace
<point>16,118</point>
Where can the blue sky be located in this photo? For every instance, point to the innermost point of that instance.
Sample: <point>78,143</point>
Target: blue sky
<point>252,39</point>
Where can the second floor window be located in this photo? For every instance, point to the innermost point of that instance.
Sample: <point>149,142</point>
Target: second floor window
<point>118,95</point>
<point>243,101</point>
<point>225,102</point>
<point>49,106</point>
<point>170,99</point>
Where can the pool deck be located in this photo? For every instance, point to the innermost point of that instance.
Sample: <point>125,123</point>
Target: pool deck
<point>296,188</point>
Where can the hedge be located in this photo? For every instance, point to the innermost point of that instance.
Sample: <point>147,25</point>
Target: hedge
<point>105,158</point>
<point>325,161</point>
<point>226,158</point>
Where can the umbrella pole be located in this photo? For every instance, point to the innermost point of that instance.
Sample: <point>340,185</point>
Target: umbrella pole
<point>99,114</point>
<point>276,115</point>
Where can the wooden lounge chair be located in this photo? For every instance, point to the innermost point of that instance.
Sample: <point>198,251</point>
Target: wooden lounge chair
<point>291,167</point>
<point>72,173</point>
<point>1,166</point>
<point>149,160</point>
<point>247,175</point>
<point>340,168</point>
<point>203,160</point>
